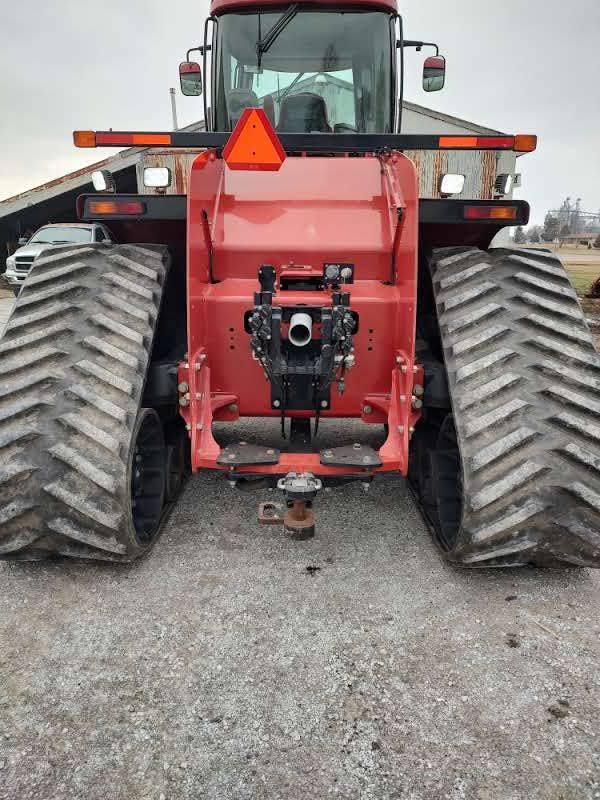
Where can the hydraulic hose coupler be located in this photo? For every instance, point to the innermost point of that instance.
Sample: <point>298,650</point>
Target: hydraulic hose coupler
<point>300,332</point>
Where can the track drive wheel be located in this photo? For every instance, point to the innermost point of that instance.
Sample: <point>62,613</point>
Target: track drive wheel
<point>510,475</point>
<point>83,467</point>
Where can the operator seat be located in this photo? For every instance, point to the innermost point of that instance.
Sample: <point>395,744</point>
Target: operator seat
<point>303,113</point>
<point>237,101</point>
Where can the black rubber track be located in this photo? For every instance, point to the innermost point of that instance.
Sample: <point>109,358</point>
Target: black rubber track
<point>73,361</point>
<point>524,379</point>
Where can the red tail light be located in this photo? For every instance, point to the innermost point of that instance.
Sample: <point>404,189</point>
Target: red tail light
<point>477,142</point>
<point>130,139</point>
<point>116,208</point>
<point>522,143</point>
<point>93,139</point>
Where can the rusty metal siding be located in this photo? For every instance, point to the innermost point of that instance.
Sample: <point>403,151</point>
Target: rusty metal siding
<point>179,161</point>
<point>480,168</point>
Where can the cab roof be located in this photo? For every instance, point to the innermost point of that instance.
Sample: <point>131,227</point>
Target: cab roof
<point>220,6</point>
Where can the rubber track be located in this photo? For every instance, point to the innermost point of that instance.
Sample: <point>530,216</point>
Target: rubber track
<point>73,361</point>
<point>524,379</point>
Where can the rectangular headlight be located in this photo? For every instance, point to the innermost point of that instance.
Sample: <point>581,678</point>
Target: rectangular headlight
<point>104,181</point>
<point>452,184</point>
<point>157,177</point>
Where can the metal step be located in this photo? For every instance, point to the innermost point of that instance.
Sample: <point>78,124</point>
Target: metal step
<point>248,455</point>
<point>352,455</point>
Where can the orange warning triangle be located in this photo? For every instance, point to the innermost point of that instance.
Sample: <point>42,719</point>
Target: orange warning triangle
<point>253,143</point>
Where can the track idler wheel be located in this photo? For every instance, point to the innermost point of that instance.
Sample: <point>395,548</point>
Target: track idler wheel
<point>148,476</point>
<point>176,461</point>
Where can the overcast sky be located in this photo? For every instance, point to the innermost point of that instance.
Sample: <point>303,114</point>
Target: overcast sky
<point>520,66</point>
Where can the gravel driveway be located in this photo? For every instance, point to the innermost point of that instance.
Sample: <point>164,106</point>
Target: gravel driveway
<point>234,663</point>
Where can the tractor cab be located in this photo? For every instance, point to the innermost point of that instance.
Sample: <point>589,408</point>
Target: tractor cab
<point>312,69</point>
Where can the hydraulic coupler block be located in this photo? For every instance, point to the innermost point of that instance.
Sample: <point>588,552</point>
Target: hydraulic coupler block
<point>301,367</point>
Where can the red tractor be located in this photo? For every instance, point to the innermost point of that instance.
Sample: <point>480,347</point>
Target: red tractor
<point>302,278</point>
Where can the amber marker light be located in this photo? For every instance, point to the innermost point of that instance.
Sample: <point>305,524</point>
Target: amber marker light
<point>84,138</point>
<point>525,143</point>
<point>491,212</point>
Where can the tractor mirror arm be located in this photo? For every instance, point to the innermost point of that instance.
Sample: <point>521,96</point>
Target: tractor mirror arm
<point>419,45</point>
<point>201,49</point>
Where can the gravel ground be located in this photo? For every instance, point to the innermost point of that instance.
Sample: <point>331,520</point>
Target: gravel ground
<point>234,663</point>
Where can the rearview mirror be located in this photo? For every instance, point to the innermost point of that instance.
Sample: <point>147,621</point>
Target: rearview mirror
<point>190,76</point>
<point>434,73</point>
<point>23,240</point>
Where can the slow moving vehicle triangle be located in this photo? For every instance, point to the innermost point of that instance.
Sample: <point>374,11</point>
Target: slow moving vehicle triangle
<point>254,144</point>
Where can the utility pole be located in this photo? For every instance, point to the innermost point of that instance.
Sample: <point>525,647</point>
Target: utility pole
<point>174,109</point>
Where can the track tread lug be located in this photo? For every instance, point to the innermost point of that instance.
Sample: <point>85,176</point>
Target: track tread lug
<point>93,399</point>
<point>53,310</point>
<point>571,310</point>
<point>514,480</point>
<point>118,328</point>
<point>472,317</point>
<point>450,281</point>
<point>79,463</point>
<point>577,334</point>
<point>460,299</point>
<point>134,266</point>
<point>29,359</point>
<point>95,434</point>
<point>503,447</point>
<point>27,298</point>
<point>52,257</point>
<point>489,390</point>
<point>68,528</point>
<point>106,376</point>
<point>565,291</point>
<point>476,340</point>
<point>486,362</point>
<point>497,416</point>
<point>7,345</point>
<point>116,303</point>
<point>40,277</point>
<point>130,286</point>
<point>109,350</point>
<point>15,509</point>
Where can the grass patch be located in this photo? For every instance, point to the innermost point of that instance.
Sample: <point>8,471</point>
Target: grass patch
<point>583,266</point>
<point>582,276</point>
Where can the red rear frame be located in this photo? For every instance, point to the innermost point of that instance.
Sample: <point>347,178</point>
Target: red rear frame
<point>314,210</point>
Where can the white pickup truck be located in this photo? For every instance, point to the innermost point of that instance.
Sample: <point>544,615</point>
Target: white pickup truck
<point>19,264</point>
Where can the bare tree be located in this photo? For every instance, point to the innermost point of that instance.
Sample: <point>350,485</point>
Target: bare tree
<point>519,237</point>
